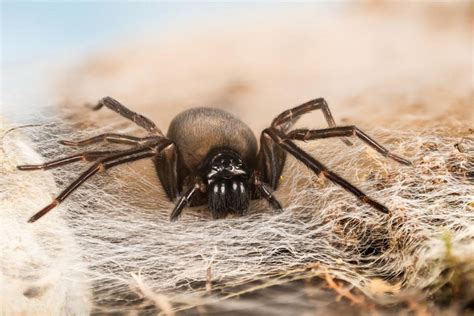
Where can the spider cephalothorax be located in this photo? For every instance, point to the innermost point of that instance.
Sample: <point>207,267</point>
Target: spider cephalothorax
<point>211,157</point>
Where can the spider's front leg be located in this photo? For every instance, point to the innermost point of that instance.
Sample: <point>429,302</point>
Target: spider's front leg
<point>183,201</point>
<point>282,141</point>
<point>265,191</point>
<point>170,171</point>
<point>122,110</point>
<point>271,160</point>
<point>125,112</point>
<point>288,118</point>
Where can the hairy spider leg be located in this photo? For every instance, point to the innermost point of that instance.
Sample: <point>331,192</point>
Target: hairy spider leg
<point>84,156</point>
<point>289,117</point>
<point>182,203</point>
<point>107,162</point>
<point>122,110</point>
<point>110,138</point>
<point>307,134</point>
<point>281,139</point>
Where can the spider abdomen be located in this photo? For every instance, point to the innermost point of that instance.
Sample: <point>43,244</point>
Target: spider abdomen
<point>197,131</point>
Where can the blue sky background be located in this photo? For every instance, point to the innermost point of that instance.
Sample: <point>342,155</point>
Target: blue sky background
<point>34,31</point>
<point>37,37</point>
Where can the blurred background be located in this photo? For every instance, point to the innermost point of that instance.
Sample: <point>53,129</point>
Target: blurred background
<point>401,70</point>
<point>39,30</point>
<point>410,60</point>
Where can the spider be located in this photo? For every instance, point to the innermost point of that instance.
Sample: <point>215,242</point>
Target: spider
<point>211,157</point>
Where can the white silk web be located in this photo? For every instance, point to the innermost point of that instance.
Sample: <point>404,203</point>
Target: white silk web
<point>110,246</point>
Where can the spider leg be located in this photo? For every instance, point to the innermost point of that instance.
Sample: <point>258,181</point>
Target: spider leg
<point>266,192</point>
<point>183,201</point>
<point>85,156</point>
<point>169,171</point>
<point>122,110</point>
<point>289,117</point>
<point>319,168</point>
<point>108,137</point>
<point>306,134</point>
<point>271,160</point>
<point>107,162</point>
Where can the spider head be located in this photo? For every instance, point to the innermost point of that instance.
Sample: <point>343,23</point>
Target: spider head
<point>227,184</point>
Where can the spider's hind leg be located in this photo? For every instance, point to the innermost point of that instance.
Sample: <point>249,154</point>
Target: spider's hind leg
<point>85,156</point>
<point>108,137</point>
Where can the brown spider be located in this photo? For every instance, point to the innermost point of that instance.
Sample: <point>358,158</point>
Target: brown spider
<point>211,157</point>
